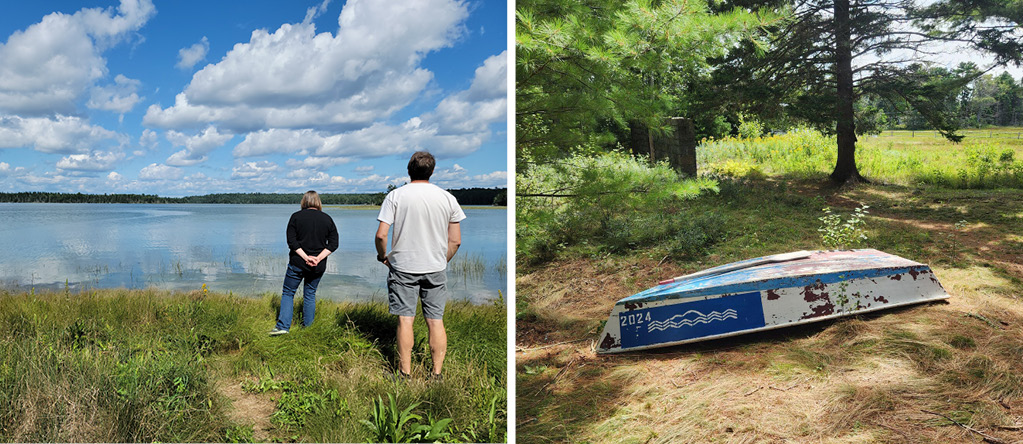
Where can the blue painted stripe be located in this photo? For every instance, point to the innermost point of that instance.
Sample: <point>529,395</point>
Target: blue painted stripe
<point>686,290</point>
<point>696,319</point>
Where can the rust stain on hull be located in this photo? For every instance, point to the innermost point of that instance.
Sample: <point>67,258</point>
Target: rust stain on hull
<point>825,308</point>
<point>633,305</point>
<point>608,342</point>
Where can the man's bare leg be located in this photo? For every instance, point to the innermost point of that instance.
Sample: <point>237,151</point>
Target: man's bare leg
<point>405,341</point>
<point>438,343</point>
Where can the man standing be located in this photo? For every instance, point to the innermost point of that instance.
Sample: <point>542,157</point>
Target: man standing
<point>426,236</point>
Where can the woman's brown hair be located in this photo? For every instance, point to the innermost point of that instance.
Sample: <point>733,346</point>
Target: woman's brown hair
<point>311,199</point>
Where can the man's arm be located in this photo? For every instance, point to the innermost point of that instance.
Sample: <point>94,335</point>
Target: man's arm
<point>454,239</point>
<point>381,242</point>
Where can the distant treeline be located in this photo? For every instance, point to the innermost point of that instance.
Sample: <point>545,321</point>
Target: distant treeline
<point>467,196</point>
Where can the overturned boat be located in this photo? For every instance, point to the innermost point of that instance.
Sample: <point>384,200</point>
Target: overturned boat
<point>766,293</point>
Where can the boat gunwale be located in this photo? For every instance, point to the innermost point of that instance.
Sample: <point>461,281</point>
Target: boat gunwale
<point>762,284</point>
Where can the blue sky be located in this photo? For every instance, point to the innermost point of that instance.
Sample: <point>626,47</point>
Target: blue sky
<point>184,97</point>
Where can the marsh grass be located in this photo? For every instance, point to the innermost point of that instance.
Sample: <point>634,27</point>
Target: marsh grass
<point>125,365</point>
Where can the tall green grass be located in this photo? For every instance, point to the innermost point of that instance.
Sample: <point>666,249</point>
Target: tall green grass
<point>607,203</point>
<point>120,365</point>
<point>805,153</point>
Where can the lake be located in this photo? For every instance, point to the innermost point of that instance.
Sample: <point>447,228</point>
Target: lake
<point>236,248</point>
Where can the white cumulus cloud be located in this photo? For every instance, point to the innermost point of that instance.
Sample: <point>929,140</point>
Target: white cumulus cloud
<point>149,138</point>
<point>276,140</point>
<point>159,172</point>
<point>296,78</point>
<point>473,111</point>
<point>318,163</point>
<point>260,170</point>
<point>120,97</point>
<point>61,135</point>
<point>94,161</point>
<point>197,147</point>
<point>188,57</point>
<point>51,64</point>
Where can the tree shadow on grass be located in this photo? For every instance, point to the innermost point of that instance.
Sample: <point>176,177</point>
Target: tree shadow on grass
<point>566,394</point>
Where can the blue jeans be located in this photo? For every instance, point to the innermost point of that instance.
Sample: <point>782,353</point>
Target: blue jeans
<point>292,278</point>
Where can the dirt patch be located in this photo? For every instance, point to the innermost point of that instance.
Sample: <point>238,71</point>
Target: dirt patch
<point>249,408</point>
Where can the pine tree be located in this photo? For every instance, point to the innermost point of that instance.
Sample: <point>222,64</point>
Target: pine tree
<point>585,69</point>
<point>830,53</point>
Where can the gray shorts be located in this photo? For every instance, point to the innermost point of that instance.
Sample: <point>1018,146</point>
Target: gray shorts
<point>404,288</point>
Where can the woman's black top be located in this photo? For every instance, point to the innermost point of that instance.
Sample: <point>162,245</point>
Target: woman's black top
<point>311,230</point>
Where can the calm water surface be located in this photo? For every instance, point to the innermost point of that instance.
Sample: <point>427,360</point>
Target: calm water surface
<point>238,248</point>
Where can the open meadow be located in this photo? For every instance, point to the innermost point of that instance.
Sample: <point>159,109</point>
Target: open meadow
<point>939,372</point>
<point>151,365</point>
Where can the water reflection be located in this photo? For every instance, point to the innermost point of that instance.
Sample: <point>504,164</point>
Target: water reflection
<point>238,248</point>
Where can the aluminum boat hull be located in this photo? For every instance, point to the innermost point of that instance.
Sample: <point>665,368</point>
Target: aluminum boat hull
<point>766,295</point>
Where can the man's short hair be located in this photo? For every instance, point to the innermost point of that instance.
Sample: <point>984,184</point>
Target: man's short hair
<point>420,166</point>
<point>311,200</point>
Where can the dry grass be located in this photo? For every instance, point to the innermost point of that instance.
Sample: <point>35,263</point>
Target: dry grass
<point>865,379</point>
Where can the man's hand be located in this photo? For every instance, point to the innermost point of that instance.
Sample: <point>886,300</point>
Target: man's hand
<point>312,261</point>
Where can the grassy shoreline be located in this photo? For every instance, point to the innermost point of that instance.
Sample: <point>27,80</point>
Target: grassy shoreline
<point>150,365</point>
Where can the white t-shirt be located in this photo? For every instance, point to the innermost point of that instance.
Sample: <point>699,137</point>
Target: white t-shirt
<point>419,214</point>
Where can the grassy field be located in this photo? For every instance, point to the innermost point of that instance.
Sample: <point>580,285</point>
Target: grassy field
<point>898,376</point>
<point>984,159</point>
<point>145,366</point>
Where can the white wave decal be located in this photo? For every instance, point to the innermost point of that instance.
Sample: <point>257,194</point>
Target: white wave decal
<point>678,321</point>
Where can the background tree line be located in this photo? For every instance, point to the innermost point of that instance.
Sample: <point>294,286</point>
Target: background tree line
<point>988,100</point>
<point>466,196</point>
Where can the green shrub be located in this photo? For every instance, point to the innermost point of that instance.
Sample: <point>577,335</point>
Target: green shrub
<point>610,202</point>
<point>841,233</point>
<point>750,127</point>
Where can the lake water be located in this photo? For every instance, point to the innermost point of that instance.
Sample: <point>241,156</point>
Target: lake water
<point>237,248</point>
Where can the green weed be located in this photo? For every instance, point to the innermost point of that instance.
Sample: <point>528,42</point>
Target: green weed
<point>842,233</point>
<point>388,424</point>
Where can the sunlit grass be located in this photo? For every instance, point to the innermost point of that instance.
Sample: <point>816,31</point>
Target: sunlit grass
<point>126,365</point>
<point>985,159</point>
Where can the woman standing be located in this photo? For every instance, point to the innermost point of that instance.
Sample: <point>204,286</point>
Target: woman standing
<point>312,236</point>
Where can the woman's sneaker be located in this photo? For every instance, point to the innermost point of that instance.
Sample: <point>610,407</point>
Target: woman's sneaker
<point>278,332</point>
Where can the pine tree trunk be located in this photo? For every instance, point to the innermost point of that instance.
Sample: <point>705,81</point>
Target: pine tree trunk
<point>845,167</point>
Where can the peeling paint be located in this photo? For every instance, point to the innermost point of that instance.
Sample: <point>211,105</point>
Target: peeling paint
<point>608,342</point>
<point>773,295</point>
<point>633,305</point>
